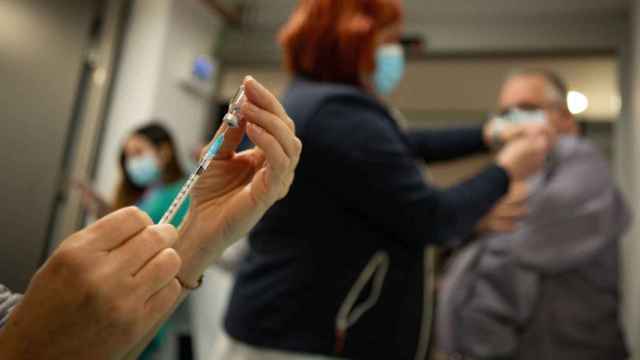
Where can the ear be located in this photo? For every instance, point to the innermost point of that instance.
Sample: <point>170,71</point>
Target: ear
<point>568,122</point>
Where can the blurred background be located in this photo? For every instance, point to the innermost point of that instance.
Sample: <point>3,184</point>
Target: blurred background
<point>77,76</point>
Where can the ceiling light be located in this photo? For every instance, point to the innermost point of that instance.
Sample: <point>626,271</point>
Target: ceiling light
<point>577,102</point>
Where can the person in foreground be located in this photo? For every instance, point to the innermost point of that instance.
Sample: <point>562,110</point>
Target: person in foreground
<point>106,289</point>
<point>547,289</point>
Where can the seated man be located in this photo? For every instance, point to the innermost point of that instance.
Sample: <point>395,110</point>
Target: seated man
<point>549,288</point>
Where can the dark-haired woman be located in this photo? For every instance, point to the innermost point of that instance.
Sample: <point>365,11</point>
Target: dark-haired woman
<point>152,175</point>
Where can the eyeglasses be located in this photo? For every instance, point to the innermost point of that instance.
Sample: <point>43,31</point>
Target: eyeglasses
<point>524,106</point>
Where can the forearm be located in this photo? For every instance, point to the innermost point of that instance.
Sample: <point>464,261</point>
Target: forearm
<point>9,346</point>
<point>447,144</point>
<point>17,340</point>
<point>464,205</point>
<point>144,342</point>
<point>8,301</point>
<point>197,254</point>
<point>9,341</point>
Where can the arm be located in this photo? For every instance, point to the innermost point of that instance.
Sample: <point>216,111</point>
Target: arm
<point>238,188</point>
<point>490,303</point>
<point>374,171</point>
<point>446,144</point>
<point>450,144</point>
<point>91,200</point>
<point>573,220</point>
<point>99,292</point>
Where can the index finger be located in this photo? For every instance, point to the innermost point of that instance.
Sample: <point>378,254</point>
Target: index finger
<point>232,138</point>
<point>263,98</point>
<point>114,229</point>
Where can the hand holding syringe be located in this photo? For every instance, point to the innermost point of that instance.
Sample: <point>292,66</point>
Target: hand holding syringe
<point>236,190</point>
<point>230,120</point>
<point>238,187</point>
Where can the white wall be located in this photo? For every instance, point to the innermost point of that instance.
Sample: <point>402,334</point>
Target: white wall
<point>163,38</point>
<point>522,33</point>
<point>629,170</point>
<point>135,84</point>
<point>192,32</point>
<point>472,84</point>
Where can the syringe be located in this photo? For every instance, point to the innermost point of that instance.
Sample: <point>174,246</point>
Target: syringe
<point>230,120</point>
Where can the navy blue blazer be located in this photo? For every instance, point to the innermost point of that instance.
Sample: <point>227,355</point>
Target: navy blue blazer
<point>358,189</point>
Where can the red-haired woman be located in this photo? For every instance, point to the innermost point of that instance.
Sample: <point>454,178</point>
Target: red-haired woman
<point>359,194</point>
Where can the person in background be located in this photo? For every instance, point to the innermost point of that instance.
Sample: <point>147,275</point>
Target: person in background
<point>359,195</point>
<point>547,288</point>
<point>152,174</point>
<point>105,289</point>
<point>151,177</point>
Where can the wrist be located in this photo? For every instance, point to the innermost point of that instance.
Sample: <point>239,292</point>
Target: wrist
<point>486,134</point>
<point>506,166</point>
<point>15,346</point>
<point>188,247</point>
<point>196,251</point>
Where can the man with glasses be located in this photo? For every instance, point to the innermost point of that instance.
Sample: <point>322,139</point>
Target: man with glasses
<point>546,288</point>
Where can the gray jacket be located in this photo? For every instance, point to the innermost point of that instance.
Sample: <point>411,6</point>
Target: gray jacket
<point>550,289</point>
<point>7,302</point>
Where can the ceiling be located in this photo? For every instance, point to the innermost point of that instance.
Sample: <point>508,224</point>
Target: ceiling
<point>272,13</point>
<point>462,8</point>
<point>457,26</point>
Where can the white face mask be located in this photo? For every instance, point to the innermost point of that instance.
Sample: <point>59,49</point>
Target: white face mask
<point>521,116</point>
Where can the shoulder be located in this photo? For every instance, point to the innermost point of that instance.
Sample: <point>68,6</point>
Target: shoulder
<point>316,104</point>
<point>303,93</point>
<point>574,147</point>
<point>340,119</point>
<point>160,196</point>
<point>174,187</point>
<point>578,167</point>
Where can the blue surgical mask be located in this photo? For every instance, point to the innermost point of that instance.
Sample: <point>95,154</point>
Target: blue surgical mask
<point>389,68</point>
<point>143,170</point>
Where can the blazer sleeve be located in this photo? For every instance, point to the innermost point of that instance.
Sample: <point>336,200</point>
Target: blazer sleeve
<point>446,144</point>
<point>361,158</point>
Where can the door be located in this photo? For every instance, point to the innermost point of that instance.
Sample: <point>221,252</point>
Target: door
<point>42,49</point>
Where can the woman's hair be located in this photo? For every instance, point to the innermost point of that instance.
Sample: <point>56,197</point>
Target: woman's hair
<point>128,192</point>
<point>334,40</point>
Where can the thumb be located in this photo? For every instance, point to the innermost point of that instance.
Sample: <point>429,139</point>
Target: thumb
<point>232,139</point>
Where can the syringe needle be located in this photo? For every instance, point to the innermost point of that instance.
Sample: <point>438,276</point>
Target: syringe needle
<point>193,178</point>
<point>231,119</point>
